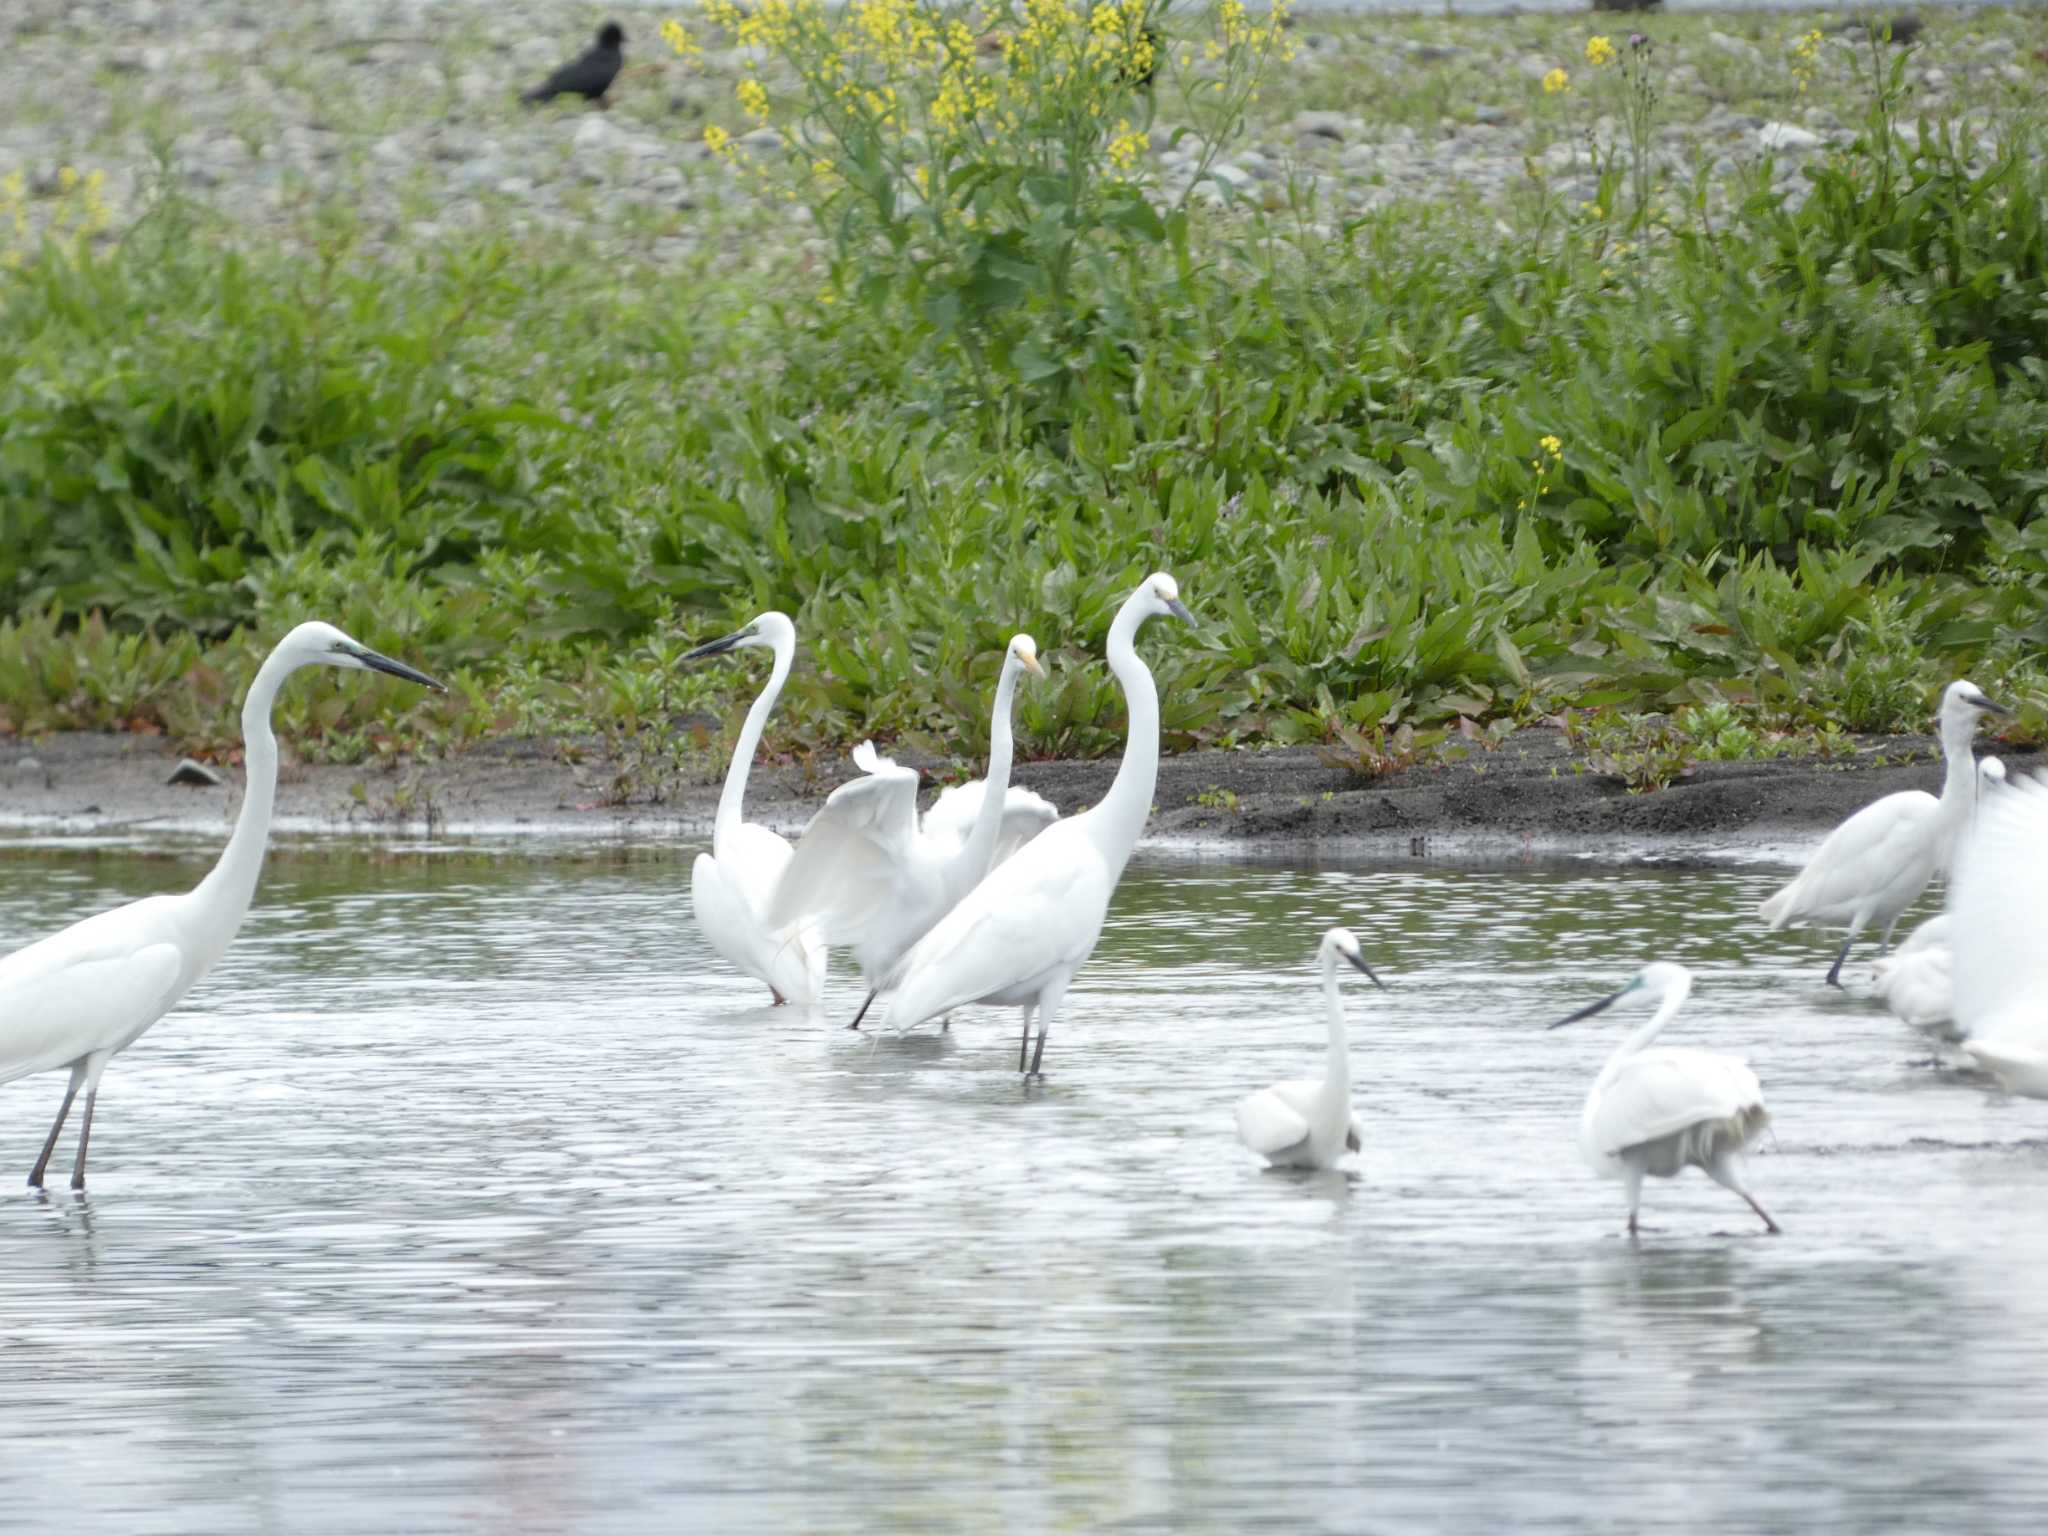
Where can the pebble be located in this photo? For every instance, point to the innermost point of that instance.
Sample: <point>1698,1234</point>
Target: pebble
<point>1786,136</point>
<point>191,771</point>
<point>29,773</point>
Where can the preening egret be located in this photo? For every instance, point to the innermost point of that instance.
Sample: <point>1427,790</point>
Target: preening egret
<point>1998,899</point>
<point>1659,1112</point>
<point>81,996</point>
<point>733,886</point>
<point>1917,979</point>
<point>1019,936</point>
<point>1875,865</point>
<point>869,877</point>
<point>1304,1124</point>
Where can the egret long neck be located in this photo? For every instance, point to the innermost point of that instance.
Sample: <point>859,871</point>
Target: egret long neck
<point>1959,780</point>
<point>222,898</point>
<point>980,850</point>
<point>1674,999</point>
<point>1129,801</point>
<point>1337,1064</point>
<point>735,791</point>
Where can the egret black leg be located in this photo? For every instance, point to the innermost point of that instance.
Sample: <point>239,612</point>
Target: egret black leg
<point>84,1138</point>
<point>1835,971</point>
<point>1024,1045</point>
<point>35,1174</point>
<point>864,1007</point>
<point>1771,1226</point>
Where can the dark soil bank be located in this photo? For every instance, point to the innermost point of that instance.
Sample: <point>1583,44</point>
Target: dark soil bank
<point>1530,795</point>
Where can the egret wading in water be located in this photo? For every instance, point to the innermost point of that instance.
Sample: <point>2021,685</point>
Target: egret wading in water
<point>1018,937</point>
<point>733,886</point>
<point>1917,980</point>
<point>80,997</point>
<point>2001,965</point>
<point>1664,1110</point>
<point>870,877</point>
<point>1305,1124</point>
<point>1875,865</point>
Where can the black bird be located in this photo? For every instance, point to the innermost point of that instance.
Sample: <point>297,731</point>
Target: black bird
<point>588,75</point>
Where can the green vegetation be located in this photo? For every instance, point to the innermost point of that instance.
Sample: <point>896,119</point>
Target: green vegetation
<point>1781,457</point>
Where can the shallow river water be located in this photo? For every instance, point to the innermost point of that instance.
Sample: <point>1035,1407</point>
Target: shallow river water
<point>471,1194</point>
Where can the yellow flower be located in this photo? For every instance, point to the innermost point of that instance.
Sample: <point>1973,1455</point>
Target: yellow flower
<point>717,139</point>
<point>1600,51</point>
<point>1557,80</point>
<point>677,37</point>
<point>1126,145</point>
<point>753,99</point>
<point>67,178</point>
<point>1551,446</point>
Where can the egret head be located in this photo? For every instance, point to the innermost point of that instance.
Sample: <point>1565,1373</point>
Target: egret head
<point>612,36</point>
<point>1024,651</point>
<point>317,644</point>
<point>1965,702</point>
<point>771,629</point>
<point>1162,593</point>
<point>1655,982</point>
<point>1338,944</point>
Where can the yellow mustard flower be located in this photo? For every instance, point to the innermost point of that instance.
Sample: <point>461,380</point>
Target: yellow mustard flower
<point>753,99</point>
<point>1552,446</point>
<point>1556,81</point>
<point>1600,51</point>
<point>716,139</point>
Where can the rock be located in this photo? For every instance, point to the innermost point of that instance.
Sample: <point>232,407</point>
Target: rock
<point>1431,53</point>
<point>1736,47</point>
<point>1488,115</point>
<point>390,150</point>
<point>1321,125</point>
<point>594,134</point>
<point>761,141</point>
<point>29,773</point>
<point>1786,136</point>
<point>192,771</point>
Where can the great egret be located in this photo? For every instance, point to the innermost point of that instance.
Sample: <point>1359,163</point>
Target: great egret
<point>733,886</point>
<point>1305,1124</point>
<point>1018,937</point>
<point>869,877</point>
<point>2001,963</point>
<point>1917,980</point>
<point>81,996</point>
<point>1875,865</point>
<point>1659,1112</point>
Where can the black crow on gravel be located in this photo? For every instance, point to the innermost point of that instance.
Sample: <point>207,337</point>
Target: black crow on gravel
<point>588,75</point>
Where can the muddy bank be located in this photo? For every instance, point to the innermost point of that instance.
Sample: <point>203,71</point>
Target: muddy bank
<point>1530,795</point>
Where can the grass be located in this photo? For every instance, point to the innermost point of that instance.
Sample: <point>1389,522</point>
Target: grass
<point>1801,453</point>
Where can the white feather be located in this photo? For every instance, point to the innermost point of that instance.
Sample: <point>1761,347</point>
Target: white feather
<point>2000,936</point>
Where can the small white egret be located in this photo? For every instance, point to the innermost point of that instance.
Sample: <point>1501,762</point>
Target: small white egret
<point>1305,1124</point>
<point>869,877</point>
<point>81,996</point>
<point>2001,963</point>
<point>1661,1111</point>
<point>733,886</point>
<point>1018,937</point>
<point>1917,980</point>
<point>1875,865</point>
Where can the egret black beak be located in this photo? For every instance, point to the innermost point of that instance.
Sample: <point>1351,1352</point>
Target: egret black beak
<point>719,646</point>
<point>1359,961</point>
<point>377,663</point>
<point>1992,706</point>
<point>1589,1010</point>
<point>1179,610</point>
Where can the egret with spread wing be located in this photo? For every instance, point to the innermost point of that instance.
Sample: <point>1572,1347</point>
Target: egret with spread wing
<point>1661,1111</point>
<point>2000,937</point>
<point>1875,865</point>
<point>1917,980</point>
<point>870,877</point>
<point>80,997</point>
<point>733,886</point>
<point>1303,1123</point>
<point>1019,936</point>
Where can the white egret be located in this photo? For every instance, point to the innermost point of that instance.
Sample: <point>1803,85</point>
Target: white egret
<point>869,877</point>
<point>733,886</point>
<point>1310,1124</point>
<point>1019,936</point>
<point>1661,1111</point>
<point>2001,962</point>
<point>81,996</point>
<point>1875,865</point>
<point>1917,980</point>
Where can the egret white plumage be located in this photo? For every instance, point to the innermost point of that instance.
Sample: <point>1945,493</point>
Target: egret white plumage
<point>1917,980</point>
<point>869,876</point>
<point>1999,899</point>
<point>733,886</point>
<point>1875,865</point>
<point>81,996</point>
<point>1310,1124</point>
<point>1019,936</point>
<point>1661,1111</point>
